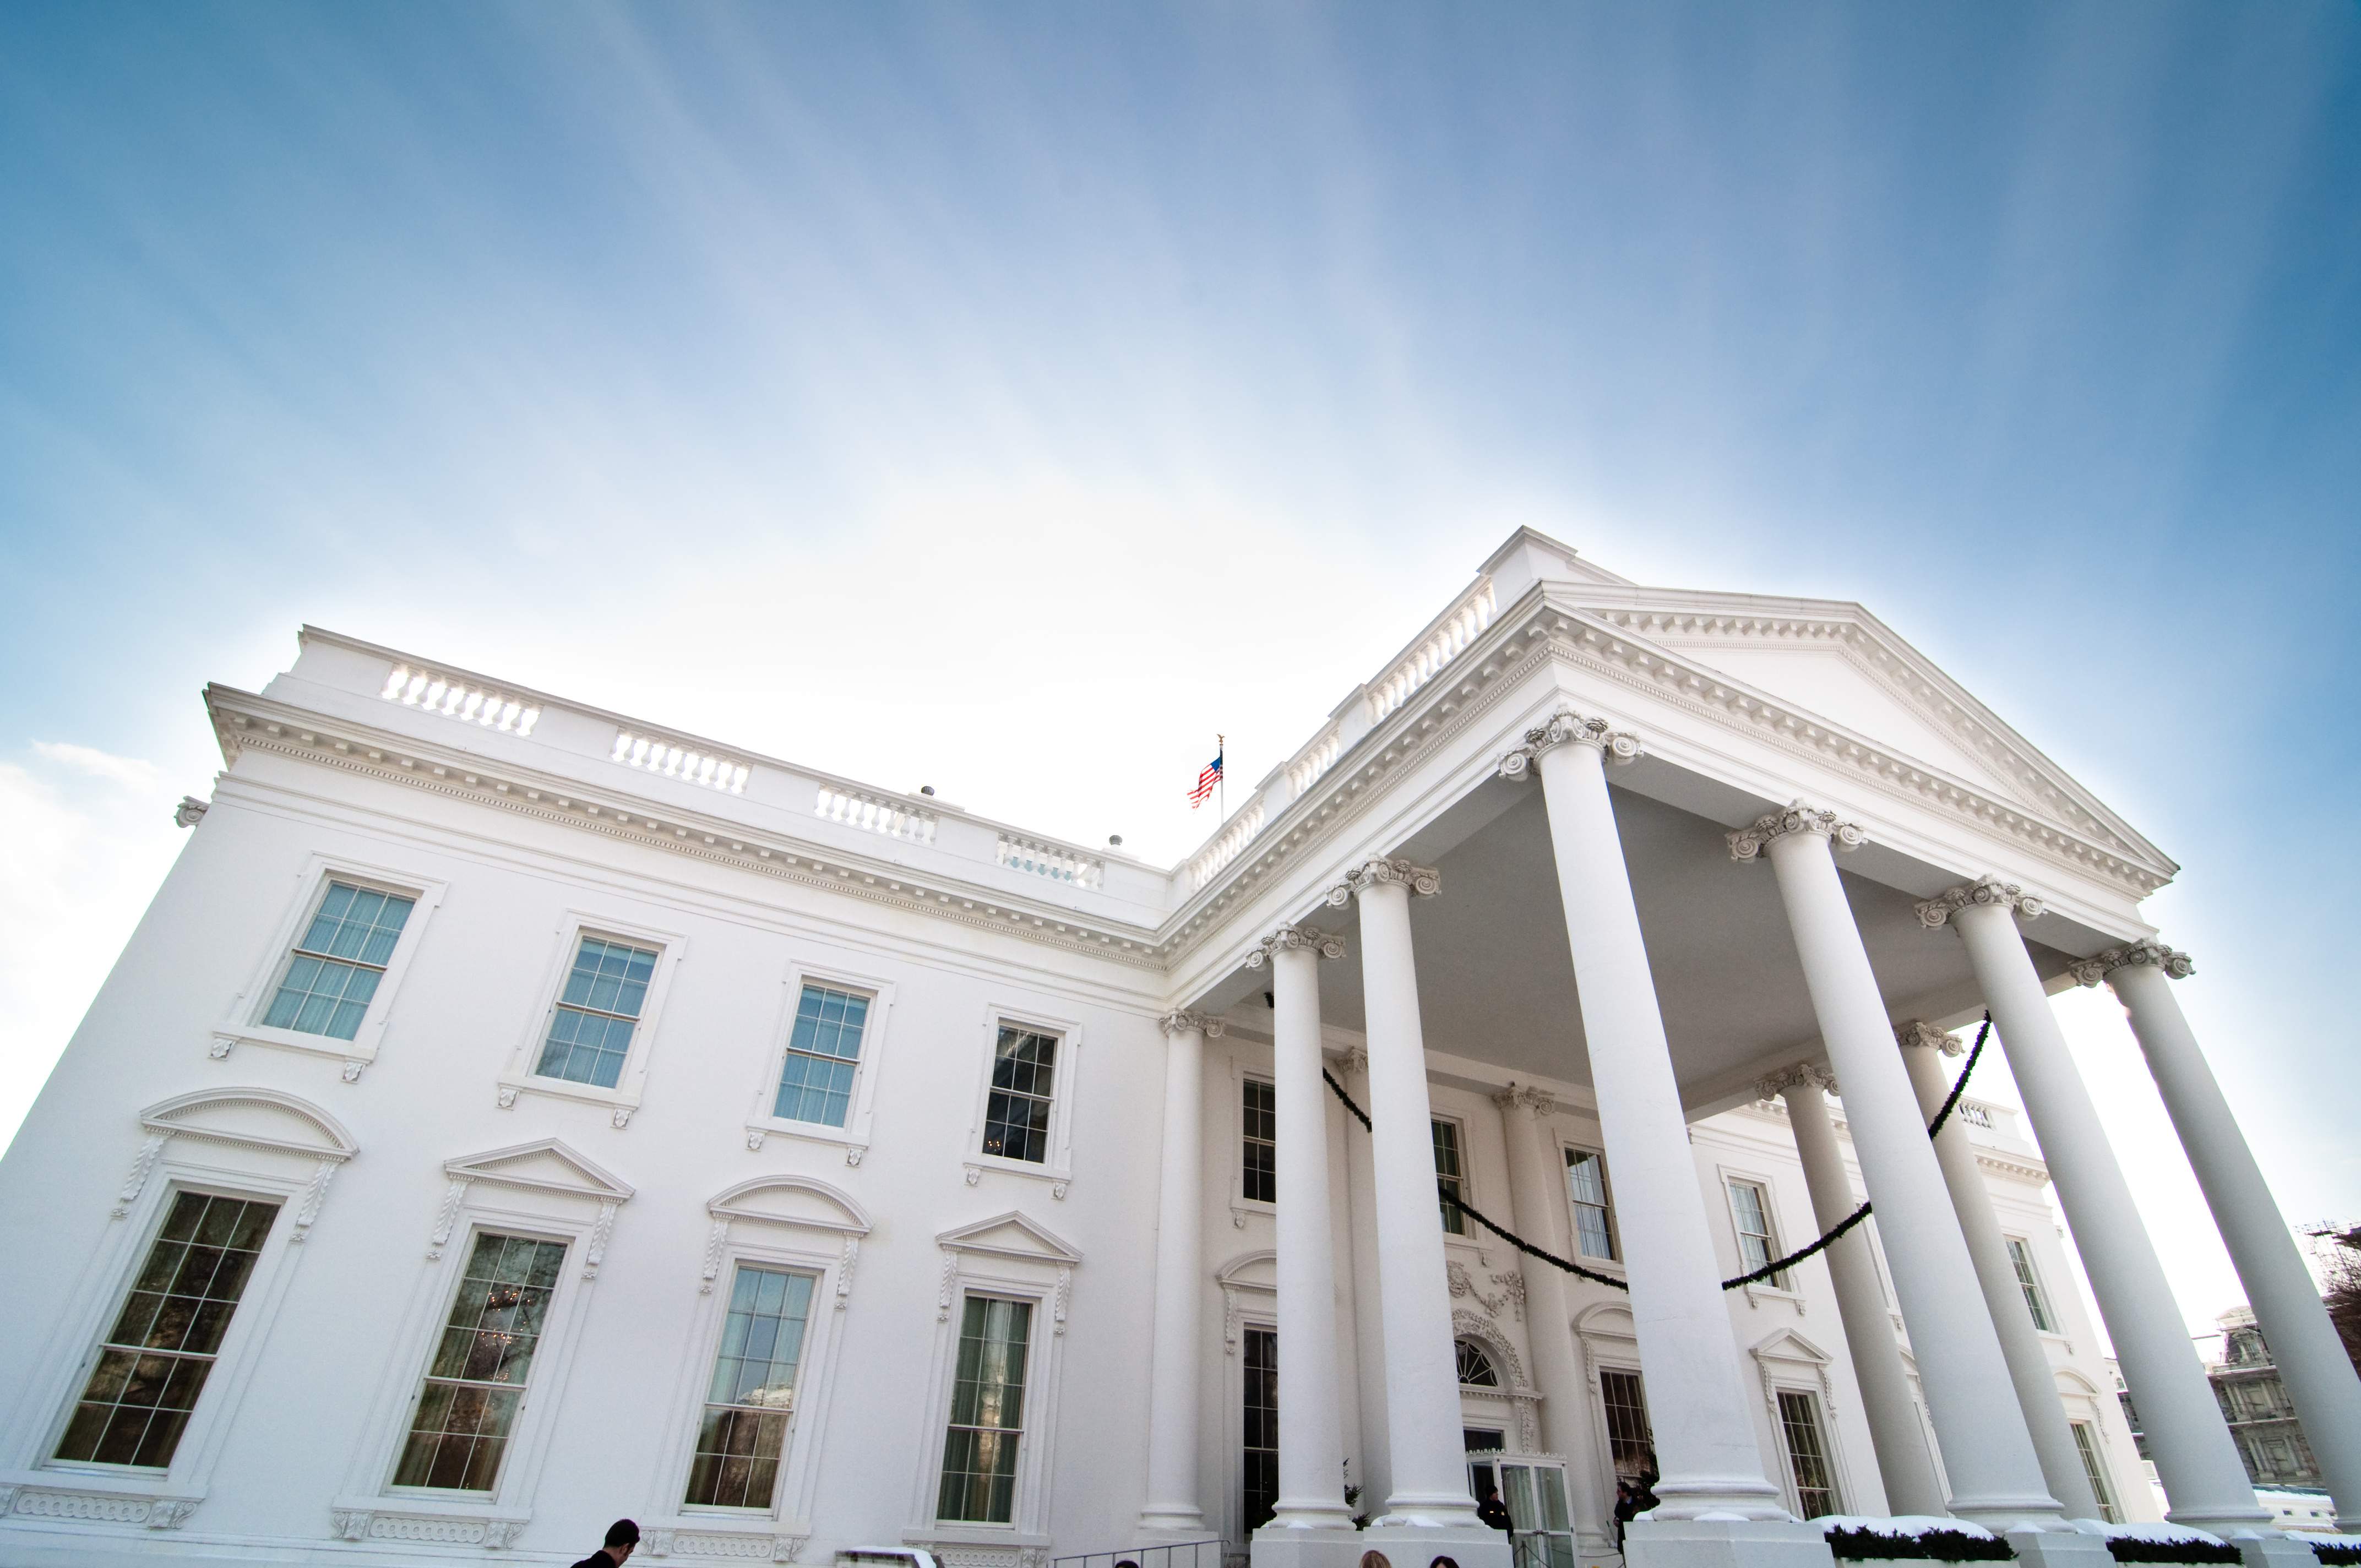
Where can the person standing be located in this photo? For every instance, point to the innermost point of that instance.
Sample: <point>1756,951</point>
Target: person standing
<point>1494,1512</point>
<point>621,1537</point>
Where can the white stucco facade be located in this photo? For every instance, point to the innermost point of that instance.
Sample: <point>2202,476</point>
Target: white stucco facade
<point>1516,888</point>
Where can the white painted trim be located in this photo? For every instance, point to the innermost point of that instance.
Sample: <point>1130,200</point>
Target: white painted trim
<point>854,1137</point>
<point>1059,1168</point>
<point>518,1077</point>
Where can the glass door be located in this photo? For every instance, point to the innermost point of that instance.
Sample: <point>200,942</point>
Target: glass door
<point>1535,1490</point>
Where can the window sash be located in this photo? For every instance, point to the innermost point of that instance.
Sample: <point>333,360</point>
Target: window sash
<point>1594,1216</point>
<point>2095,1470</point>
<point>334,967</point>
<point>1476,1369</point>
<point>598,1009</point>
<point>987,1414</point>
<point>2020,1257</point>
<point>1750,1208</point>
<point>823,1056</point>
<point>1260,1438</point>
<point>1808,1457</point>
<point>1449,1176</point>
<point>1023,1083</point>
<point>751,1399</point>
<point>1630,1440</point>
<point>1258,1155</point>
<point>152,1366</point>
<point>475,1382</point>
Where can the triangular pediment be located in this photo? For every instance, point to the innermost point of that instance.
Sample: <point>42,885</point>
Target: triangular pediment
<point>546,1165</point>
<point>253,1118</point>
<point>1786,1344</point>
<point>1010,1236</point>
<point>792,1200</point>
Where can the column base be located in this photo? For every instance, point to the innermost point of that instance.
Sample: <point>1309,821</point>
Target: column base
<point>2057,1548</point>
<point>1417,1546</point>
<point>1724,1544</point>
<point>1169,1525</point>
<point>1286,1546</point>
<point>2273,1549</point>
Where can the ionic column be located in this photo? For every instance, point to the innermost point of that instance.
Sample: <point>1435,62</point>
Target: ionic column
<point>2029,1363</point>
<point>2318,1377</point>
<point>1310,1444</point>
<point>1172,1503</point>
<point>1422,1427</point>
<point>2204,1477</point>
<point>1698,1398</point>
<point>1903,1463</point>
<point>1537,1203</point>
<point>1987,1455</point>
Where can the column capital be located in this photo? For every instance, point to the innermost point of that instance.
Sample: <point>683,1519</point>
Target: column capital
<point>1748,843</point>
<point>2092,970</point>
<point>1424,881</point>
<point>1524,1097</point>
<point>1182,1021</point>
<point>1355,1061</point>
<point>1937,912</point>
<point>1566,726</point>
<point>1325,944</point>
<point>1918,1031</point>
<point>1772,1085</point>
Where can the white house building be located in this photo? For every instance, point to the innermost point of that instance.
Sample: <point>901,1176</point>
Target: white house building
<point>511,1115</point>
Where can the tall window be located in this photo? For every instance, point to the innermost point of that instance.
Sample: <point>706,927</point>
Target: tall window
<point>1016,1116</point>
<point>816,1084</point>
<point>475,1384</point>
<point>1749,1209</point>
<point>590,1028</point>
<point>338,961</point>
<point>1631,1444</point>
<point>1808,1453</point>
<point>1449,1175</point>
<point>1585,1186</point>
<point>2086,1443</point>
<point>1262,1427</point>
<point>1258,1160</point>
<point>2029,1282</point>
<point>987,1413</point>
<point>153,1364</point>
<point>751,1399</point>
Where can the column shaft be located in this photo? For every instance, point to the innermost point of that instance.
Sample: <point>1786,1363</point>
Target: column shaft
<point>1698,1398</point>
<point>1172,1503</point>
<point>1987,1454</point>
<point>1311,1445</point>
<point>2311,1360</point>
<point>2028,1360</point>
<point>1911,1486</point>
<point>1422,1426</point>
<point>2204,1477</point>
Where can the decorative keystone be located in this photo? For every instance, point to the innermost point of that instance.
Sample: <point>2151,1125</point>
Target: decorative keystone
<point>1424,881</point>
<point>1182,1022</point>
<point>1748,843</point>
<point>1937,912</point>
<point>1568,727</point>
<point>1327,944</point>
<point>1524,1097</point>
<point>1919,1033</point>
<point>2091,971</point>
<point>1772,1085</point>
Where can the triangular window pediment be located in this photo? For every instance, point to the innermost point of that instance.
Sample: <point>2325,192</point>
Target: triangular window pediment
<point>1010,1236</point>
<point>1786,1344</point>
<point>546,1165</point>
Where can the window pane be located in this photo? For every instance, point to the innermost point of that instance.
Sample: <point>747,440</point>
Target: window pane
<point>475,1381</point>
<point>1261,1437</point>
<point>153,1365</point>
<point>750,1400</point>
<point>1447,1175</point>
<point>320,996</point>
<point>2021,1257</point>
<point>1258,1164</point>
<point>1476,1367</point>
<point>2086,1443</point>
<point>987,1412</point>
<point>1631,1443</point>
<point>1799,1423</point>
<point>1585,1186</point>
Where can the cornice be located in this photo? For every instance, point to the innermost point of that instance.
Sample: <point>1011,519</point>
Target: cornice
<point>2020,1166</point>
<point>248,722</point>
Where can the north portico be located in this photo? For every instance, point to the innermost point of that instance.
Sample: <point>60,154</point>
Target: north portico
<point>529,1063</point>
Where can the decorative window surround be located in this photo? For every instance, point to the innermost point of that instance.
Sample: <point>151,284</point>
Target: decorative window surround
<point>1240,1205</point>
<point>783,1222</point>
<point>261,1143</point>
<point>537,1189</point>
<point>875,813</point>
<point>1058,1170</point>
<point>1014,1257</point>
<point>1761,1290</point>
<point>1785,1359</point>
<point>853,1137</point>
<point>1250,1285</point>
<point>672,760</point>
<point>415,686</point>
<point>1514,1397</point>
<point>623,1100</point>
<point>241,1027</point>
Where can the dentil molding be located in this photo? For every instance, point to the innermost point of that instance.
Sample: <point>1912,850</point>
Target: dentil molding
<point>1424,881</point>
<point>1748,843</point>
<point>1326,944</point>
<point>1567,728</point>
<point>1937,912</point>
<point>2091,971</point>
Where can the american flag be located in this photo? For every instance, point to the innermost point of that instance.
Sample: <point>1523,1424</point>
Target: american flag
<point>1207,780</point>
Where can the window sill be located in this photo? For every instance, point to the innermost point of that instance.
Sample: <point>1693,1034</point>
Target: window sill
<point>71,1494</point>
<point>977,1164</point>
<point>745,1533</point>
<point>959,1534</point>
<point>1758,1294</point>
<point>853,1142</point>
<point>445,1519</point>
<point>354,1055</point>
<point>1242,1207</point>
<point>622,1105</point>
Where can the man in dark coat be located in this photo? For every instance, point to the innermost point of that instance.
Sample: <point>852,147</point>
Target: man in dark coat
<point>621,1536</point>
<point>1494,1512</point>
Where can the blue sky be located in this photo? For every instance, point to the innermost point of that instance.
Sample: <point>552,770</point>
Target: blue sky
<point>1007,398</point>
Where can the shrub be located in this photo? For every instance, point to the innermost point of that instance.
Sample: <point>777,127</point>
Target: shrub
<point>2337,1553</point>
<point>1939,1545</point>
<point>2135,1549</point>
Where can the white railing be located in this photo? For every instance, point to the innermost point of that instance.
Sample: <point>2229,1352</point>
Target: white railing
<point>1224,849</point>
<point>1466,622</point>
<point>1052,861</point>
<point>1975,1115</point>
<point>873,814</point>
<point>430,692</point>
<point>1313,761</point>
<point>655,754</point>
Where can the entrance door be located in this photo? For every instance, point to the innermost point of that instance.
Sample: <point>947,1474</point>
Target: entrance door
<point>1535,1490</point>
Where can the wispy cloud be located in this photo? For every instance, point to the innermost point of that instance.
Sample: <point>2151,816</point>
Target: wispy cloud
<point>131,773</point>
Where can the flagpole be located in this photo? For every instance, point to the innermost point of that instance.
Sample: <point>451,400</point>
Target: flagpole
<point>1220,751</point>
